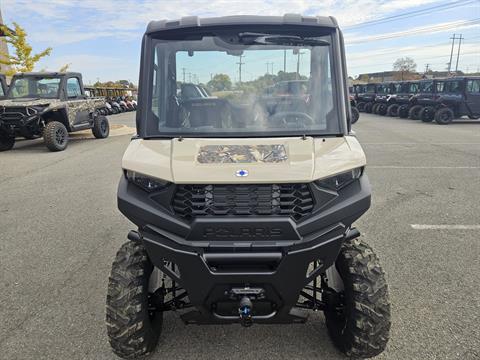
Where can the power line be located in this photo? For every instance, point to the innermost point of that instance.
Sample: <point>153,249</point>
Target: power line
<point>411,14</point>
<point>416,31</point>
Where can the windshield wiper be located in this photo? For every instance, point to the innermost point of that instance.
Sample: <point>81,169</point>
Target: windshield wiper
<point>268,39</point>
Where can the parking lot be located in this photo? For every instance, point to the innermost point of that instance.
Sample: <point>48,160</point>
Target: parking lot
<point>60,229</point>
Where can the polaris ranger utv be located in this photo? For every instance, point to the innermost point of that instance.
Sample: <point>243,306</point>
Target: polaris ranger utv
<point>423,103</point>
<point>458,97</point>
<point>245,215</point>
<point>366,100</point>
<point>382,100</point>
<point>403,97</point>
<point>49,105</point>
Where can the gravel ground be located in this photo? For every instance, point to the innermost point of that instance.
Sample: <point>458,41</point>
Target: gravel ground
<point>60,229</point>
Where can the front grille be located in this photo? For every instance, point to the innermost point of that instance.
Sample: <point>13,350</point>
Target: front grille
<point>13,113</point>
<point>294,200</point>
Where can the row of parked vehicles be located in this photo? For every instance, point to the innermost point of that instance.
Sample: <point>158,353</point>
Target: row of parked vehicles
<point>439,100</point>
<point>117,105</point>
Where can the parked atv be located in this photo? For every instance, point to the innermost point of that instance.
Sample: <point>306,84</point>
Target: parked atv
<point>403,97</point>
<point>382,100</point>
<point>459,97</point>
<point>245,216</point>
<point>366,100</point>
<point>423,104</point>
<point>50,105</point>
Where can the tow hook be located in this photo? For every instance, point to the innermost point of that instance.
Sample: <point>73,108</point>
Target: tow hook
<point>245,312</point>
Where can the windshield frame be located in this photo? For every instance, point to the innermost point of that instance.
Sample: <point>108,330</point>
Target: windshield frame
<point>58,94</point>
<point>338,79</point>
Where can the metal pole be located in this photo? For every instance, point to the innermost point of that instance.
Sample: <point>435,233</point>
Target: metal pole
<point>285,60</point>
<point>451,53</point>
<point>458,53</point>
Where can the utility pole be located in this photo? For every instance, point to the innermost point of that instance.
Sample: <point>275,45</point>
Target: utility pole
<point>451,53</point>
<point>267,63</point>
<point>240,63</point>
<point>427,67</point>
<point>189,77</point>
<point>458,53</point>
<point>183,69</point>
<point>285,60</point>
<point>298,65</point>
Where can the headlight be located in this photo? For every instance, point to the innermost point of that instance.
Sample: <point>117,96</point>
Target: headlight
<point>341,180</point>
<point>145,182</point>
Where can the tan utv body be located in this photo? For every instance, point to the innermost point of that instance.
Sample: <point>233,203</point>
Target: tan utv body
<point>244,193</point>
<point>49,105</point>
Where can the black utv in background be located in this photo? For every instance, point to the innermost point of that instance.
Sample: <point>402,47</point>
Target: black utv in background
<point>403,97</point>
<point>383,98</point>
<point>3,87</point>
<point>366,99</point>
<point>458,97</point>
<point>423,103</point>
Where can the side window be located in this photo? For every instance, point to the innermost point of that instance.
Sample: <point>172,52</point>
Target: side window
<point>73,88</point>
<point>440,87</point>
<point>473,86</point>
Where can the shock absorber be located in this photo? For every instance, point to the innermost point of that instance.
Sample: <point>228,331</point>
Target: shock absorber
<point>245,311</point>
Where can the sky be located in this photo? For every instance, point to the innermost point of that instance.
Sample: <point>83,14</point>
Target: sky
<point>102,38</point>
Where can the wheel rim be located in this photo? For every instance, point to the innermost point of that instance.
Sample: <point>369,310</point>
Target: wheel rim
<point>103,126</point>
<point>60,136</point>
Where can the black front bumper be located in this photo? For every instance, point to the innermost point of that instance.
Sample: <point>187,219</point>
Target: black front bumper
<point>276,261</point>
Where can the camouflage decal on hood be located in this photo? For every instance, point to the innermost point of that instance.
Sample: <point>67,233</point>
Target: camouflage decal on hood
<point>28,102</point>
<point>214,154</point>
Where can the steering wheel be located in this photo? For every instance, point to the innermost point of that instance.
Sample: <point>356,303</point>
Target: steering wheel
<point>286,117</point>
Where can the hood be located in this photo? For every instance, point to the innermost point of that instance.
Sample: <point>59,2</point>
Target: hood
<point>250,161</point>
<point>27,102</point>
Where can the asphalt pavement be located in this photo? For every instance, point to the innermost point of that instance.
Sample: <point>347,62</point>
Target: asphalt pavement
<point>60,229</point>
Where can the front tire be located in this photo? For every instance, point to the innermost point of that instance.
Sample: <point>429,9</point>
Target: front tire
<point>361,106</point>
<point>355,114</point>
<point>101,127</point>
<point>392,110</point>
<point>132,329</point>
<point>55,136</point>
<point>6,142</point>
<point>368,107</point>
<point>382,109</point>
<point>444,116</point>
<point>415,111</point>
<point>427,114</point>
<point>403,111</point>
<point>360,325</point>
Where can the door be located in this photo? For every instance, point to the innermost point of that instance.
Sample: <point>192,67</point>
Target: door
<point>472,96</point>
<point>77,104</point>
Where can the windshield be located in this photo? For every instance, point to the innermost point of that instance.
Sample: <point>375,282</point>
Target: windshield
<point>426,87</point>
<point>383,89</point>
<point>34,87</point>
<point>242,85</point>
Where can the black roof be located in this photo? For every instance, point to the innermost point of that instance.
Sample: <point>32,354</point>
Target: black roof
<point>196,22</point>
<point>48,73</point>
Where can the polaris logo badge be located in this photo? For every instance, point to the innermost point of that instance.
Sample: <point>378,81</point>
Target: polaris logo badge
<point>241,173</point>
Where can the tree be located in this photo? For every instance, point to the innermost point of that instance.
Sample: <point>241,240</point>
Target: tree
<point>64,68</point>
<point>220,82</point>
<point>22,60</point>
<point>404,66</point>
